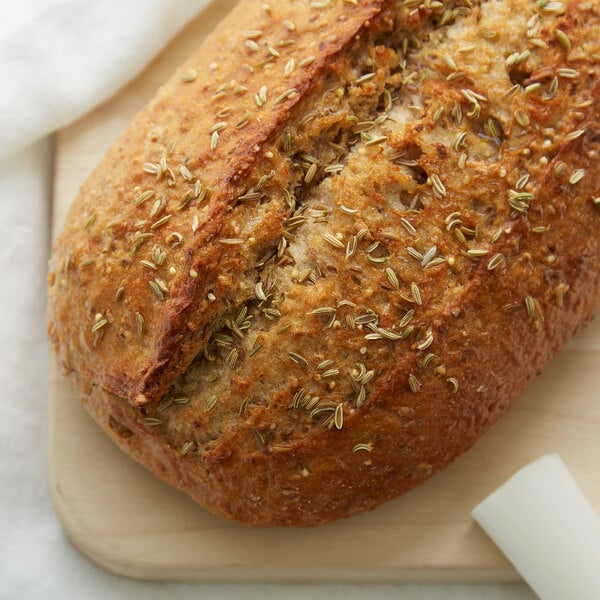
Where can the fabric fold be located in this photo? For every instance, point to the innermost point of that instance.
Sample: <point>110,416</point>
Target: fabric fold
<point>69,55</point>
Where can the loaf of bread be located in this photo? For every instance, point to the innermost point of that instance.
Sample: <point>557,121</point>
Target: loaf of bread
<point>335,247</point>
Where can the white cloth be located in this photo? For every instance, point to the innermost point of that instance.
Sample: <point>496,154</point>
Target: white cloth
<point>59,58</point>
<point>66,56</point>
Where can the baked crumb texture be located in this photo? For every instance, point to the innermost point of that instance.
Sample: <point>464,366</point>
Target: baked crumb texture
<point>335,247</point>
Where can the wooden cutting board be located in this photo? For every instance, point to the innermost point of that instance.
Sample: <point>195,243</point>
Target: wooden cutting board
<point>126,520</point>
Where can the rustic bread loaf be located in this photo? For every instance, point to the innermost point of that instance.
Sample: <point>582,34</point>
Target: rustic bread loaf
<point>335,247</point>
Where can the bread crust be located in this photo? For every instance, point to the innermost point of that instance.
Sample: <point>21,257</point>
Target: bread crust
<point>417,291</point>
<point>185,113</point>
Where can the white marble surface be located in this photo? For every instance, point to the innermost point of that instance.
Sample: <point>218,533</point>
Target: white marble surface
<point>43,90</point>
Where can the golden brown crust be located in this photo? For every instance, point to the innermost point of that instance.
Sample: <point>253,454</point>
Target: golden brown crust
<point>413,289</point>
<point>111,227</point>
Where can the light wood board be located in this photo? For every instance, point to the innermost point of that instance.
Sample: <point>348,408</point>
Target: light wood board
<point>126,520</point>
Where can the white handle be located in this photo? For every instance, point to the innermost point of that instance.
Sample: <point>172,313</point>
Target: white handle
<point>545,526</point>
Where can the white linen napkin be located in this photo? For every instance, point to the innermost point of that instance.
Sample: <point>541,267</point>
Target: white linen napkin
<point>58,59</point>
<point>62,57</point>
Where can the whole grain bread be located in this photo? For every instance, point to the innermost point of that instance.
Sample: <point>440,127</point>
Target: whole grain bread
<point>335,247</point>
